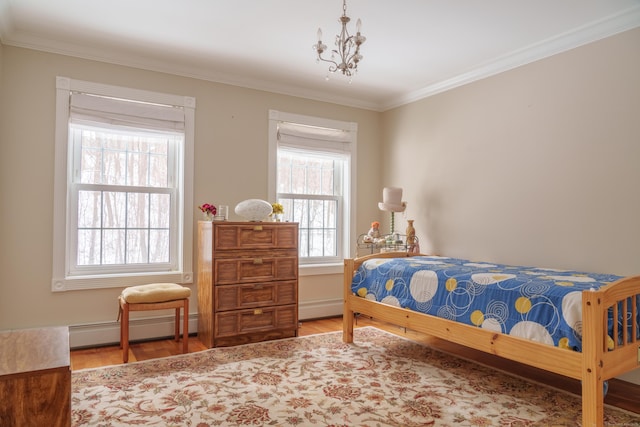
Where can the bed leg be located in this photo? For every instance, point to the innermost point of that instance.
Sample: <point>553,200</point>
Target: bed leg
<point>592,402</point>
<point>347,326</point>
<point>347,313</point>
<point>592,350</point>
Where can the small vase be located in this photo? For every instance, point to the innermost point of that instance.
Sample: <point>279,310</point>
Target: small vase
<point>206,216</point>
<point>411,232</point>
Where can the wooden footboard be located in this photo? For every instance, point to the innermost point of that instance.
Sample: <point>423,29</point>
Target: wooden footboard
<point>593,366</point>
<point>604,358</point>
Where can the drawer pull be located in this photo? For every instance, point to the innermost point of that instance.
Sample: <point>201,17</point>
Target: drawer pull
<point>257,228</point>
<point>258,286</point>
<point>257,311</point>
<point>257,261</point>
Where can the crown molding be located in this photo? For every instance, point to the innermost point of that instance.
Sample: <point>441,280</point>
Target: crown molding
<point>175,68</point>
<point>612,25</point>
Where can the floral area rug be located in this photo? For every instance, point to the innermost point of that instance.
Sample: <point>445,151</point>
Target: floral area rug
<point>317,380</point>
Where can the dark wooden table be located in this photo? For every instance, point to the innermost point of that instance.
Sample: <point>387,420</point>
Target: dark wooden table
<point>35,377</point>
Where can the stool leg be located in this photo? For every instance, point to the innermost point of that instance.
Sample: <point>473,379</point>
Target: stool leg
<point>120,320</point>
<point>177,325</point>
<point>125,333</point>
<point>185,327</point>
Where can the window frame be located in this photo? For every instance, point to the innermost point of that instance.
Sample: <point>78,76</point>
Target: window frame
<point>64,277</point>
<point>346,224</point>
<point>76,186</point>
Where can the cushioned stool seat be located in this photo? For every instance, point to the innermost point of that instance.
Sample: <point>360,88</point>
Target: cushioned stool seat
<point>155,292</point>
<point>155,296</point>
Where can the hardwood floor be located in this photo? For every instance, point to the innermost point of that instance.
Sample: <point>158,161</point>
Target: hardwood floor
<point>621,393</point>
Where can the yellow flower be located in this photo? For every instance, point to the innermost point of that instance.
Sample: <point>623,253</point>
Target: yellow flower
<point>277,208</point>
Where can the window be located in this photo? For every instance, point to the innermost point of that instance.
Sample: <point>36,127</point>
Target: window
<point>122,193</point>
<point>311,163</point>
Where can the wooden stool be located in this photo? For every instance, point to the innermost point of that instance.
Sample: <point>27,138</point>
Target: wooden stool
<point>156,296</point>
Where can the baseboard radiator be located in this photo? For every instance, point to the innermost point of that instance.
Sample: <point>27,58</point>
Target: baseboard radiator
<point>148,328</point>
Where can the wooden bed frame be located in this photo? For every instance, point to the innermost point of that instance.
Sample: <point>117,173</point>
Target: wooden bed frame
<point>593,366</point>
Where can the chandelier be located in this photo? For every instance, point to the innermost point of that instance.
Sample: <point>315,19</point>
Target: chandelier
<point>346,55</point>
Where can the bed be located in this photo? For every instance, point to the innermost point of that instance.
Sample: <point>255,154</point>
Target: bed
<point>590,333</point>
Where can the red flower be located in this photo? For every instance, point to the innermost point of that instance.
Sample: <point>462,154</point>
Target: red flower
<point>210,209</point>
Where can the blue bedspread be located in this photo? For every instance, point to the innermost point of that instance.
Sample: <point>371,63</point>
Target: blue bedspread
<point>539,304</point>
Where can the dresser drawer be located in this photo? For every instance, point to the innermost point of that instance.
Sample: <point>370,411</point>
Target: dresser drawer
<point>255,236</point>
<point>248,270</point>
<point>229,323</point>
<point>234,297</point>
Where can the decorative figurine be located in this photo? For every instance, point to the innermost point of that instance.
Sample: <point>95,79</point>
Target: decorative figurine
<point>374,233</point>
<point>412,240</point>
<point>411,232</point>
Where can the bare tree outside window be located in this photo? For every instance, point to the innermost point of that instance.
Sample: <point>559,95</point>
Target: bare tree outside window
<point>309,192</point>
<point>124,198</point>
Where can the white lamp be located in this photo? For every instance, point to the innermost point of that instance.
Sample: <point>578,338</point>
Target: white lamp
<point>392,202</point>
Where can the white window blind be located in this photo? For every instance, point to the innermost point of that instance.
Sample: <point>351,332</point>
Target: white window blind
<point>94,110</point>
<point>294,135</point>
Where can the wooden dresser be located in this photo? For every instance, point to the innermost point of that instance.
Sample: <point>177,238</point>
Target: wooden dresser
<point>247,282</point>
<point>35,377</point>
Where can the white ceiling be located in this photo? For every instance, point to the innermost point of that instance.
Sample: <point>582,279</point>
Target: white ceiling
<point>414,48</point>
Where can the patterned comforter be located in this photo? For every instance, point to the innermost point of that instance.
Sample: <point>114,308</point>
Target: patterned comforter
<point>539,304</point>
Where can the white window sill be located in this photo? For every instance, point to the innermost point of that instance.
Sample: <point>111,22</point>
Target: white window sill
<point>118,281</point>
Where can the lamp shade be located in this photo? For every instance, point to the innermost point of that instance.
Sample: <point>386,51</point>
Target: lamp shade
<point>392,200</point>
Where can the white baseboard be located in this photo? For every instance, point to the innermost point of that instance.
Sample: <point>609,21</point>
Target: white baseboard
<point>319,309</point>
<point>632,377</point>
<point>107,333</point>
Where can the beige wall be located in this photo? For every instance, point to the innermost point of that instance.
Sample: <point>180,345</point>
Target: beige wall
<point>1,62</point>
<point>230,165</point>
<point>537,165</point>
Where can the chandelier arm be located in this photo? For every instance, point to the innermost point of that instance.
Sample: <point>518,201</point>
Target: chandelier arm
<point>349,43</point>
<point>354,57</point>
<point>343,43</point>
<point>332,68</point>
